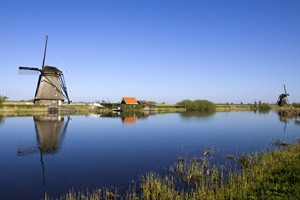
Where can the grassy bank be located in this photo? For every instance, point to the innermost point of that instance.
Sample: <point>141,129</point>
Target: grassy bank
<point>28,108</point>
<point>236,107</point>
<point>269,175</point>
<point>21,109</point>
<point>288,111</point>
<point>167,108</point>
<point>10,109</point>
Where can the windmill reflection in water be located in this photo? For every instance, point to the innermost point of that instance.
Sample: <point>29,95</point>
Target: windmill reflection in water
<point>50,131</point>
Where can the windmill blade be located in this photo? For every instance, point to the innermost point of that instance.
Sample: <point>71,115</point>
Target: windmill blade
<point>284,89</point>
<point>45,50</point>
<point>284,129</point>
<point>29,68</point>
<point>287,100</point>
<point>28,71</point>
<point>64,88</point>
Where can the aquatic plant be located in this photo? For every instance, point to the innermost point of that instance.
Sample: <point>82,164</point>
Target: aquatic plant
<point>269,175</point>
<point>97,194</point>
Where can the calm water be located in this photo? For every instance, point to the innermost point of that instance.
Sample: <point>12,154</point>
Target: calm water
<point>54,154</point>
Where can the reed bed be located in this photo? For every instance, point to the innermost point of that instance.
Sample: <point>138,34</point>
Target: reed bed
<point>269,175</point>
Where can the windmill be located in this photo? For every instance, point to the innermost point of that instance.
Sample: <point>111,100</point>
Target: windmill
<point>282,99</point>
<point>51,87</point>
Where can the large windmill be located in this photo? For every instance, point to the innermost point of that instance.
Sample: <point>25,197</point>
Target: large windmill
<point>51,87</point>
<point>282,99</point>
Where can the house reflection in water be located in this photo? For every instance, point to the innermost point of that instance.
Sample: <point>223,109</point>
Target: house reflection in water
<point>129,120</point>
<point>126,117</point>
<point>133,117</point>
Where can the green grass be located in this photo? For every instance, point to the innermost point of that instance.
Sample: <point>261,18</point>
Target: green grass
<point>296,105</point>
<point>235,107</point>
<point>21,109</point>
<point>269,175</point>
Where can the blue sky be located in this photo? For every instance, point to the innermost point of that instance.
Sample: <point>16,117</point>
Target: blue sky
<point>165,51</point>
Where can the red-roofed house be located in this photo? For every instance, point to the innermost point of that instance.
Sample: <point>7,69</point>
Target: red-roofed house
<point>129,100</point>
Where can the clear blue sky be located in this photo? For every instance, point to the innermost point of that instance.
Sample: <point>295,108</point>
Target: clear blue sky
<point>165,51</point>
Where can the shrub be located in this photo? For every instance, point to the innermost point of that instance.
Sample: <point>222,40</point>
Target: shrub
<point>201,105</point>
<point>188,104</point>
<point>205,105</point>
<point>264,107</point>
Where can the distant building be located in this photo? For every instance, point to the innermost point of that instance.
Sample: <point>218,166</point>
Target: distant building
<point>129,101</point>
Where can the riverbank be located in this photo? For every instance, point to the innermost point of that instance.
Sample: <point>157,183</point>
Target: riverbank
<point>269,175</point>
<point>28,108</point>
<point>235,107</point>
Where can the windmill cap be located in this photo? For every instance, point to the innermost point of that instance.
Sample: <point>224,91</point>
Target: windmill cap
<point>50,69</point>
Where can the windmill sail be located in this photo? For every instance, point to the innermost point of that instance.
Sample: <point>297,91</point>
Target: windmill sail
<point>29,68</point>
<point>29,71</point>
<point>45,50</point>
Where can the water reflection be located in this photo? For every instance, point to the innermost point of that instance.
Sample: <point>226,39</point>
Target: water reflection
<point>104,151</point>
<point>197,114</point>
<point>126,117</point>
<point>129,120</point>
<point>262,111</point>
<point>50,131</point>
<point>286,117</point>
<point>132,117</point>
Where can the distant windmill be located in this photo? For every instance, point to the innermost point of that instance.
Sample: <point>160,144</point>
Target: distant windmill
<point>51,87</point>
<point>282,99</point>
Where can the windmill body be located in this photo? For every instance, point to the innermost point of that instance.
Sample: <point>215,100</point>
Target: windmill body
<point>51,88</point>
<point>283,98</point>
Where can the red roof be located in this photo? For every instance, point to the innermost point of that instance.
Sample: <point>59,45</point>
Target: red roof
<point>129,100</point>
